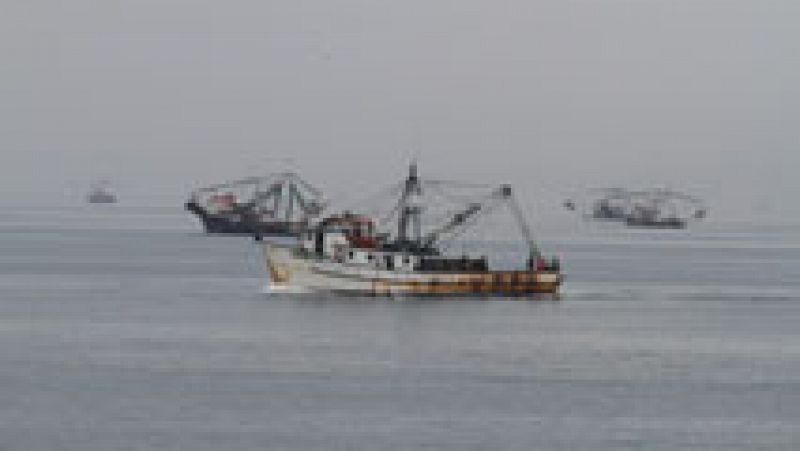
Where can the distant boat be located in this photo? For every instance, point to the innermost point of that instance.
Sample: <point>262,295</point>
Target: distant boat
<point>275,205</point>
<point>101,194</point>
<point>654,217</point>
<point>653,208</point>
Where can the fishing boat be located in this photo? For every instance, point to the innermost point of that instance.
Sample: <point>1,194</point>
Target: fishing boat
<point>348,253</point>
<point>101,194</point>
<point>652,208</point>
<point>665,209</point>
<point>612,205</point>
<point>651,217</point>
<point>276,205</point>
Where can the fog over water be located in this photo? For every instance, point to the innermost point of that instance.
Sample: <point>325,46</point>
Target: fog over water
<point>160,96</point>
<point>125,327</point>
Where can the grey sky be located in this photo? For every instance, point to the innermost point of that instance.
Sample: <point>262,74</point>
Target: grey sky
<point>162,95</point>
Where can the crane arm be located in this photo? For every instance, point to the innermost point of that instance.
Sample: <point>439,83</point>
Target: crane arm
<point>457,221</point>
<point>466,216</point>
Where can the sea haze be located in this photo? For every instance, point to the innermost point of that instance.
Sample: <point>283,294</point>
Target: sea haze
<point>126,328</point>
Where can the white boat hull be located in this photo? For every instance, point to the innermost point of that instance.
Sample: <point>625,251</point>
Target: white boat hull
<point>289,269</point>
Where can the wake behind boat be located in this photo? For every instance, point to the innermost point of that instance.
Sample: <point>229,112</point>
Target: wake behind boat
<point>348,254</point>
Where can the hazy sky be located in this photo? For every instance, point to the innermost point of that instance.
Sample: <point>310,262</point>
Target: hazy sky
<point>163,95</point>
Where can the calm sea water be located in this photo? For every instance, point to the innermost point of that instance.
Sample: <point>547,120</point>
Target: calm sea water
<point>125,328</point>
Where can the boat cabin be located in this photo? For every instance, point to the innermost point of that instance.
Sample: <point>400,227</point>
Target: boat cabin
<point>352,239</point>
<point>335,233</point>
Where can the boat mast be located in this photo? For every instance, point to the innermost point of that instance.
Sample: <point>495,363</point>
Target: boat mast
<point>410,209</point>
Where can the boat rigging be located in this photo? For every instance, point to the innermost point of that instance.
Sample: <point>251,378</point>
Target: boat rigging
<point>275,204</point>
<point>352,252</point>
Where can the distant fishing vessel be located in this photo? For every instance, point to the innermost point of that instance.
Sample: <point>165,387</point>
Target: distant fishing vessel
<point>277,204</point>
<point>101,194</point>
<point>664,209</point>
<point>347,254</point>
<point>650,216</point>
<point>654,208</point>
<point>612,206</point>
